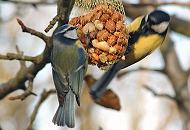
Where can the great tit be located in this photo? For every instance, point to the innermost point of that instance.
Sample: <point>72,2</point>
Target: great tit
<point>146,34</point>
<point>69,64</point>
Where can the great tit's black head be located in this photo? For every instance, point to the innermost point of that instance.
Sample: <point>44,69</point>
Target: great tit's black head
<point>66,31</point>
<point>158,21</point>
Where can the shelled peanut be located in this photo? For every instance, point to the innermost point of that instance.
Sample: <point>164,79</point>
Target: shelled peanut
<point>108,35</point>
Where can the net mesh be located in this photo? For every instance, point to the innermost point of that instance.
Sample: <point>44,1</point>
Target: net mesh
<point>90,4</point>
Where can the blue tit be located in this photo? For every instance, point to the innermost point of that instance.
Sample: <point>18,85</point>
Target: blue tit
<point>69,64</point>
<point>146,34</point>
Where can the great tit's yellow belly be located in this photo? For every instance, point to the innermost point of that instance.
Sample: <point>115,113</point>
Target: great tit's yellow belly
<point>145,45</point>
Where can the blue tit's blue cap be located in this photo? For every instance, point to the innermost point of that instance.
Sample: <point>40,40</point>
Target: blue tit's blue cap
<point>67,30</point>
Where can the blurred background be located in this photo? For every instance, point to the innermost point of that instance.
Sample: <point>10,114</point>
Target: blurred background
<point>153,93</point>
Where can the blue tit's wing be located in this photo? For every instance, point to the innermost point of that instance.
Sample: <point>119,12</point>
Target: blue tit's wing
<point>82,58</point>
<point>61,86</point>
<point>78,75</point>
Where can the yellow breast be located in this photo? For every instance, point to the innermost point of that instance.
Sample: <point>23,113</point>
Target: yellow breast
<point>146,44</point>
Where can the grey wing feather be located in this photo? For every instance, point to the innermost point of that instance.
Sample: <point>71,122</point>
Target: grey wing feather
<point>78,75</point>
<point>61,86</point>
<point>77,80</point>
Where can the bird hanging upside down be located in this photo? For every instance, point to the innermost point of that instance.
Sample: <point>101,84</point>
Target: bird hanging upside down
<point>69,62</point>
<point>146,34</point>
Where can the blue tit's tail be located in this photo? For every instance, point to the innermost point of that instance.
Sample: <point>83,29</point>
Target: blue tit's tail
<point>65,114</point>
<point>100,86</point>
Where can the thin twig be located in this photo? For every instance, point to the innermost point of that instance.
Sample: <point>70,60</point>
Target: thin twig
<point>25,73</point>
<point>121,74</point>
<point>52,23</point>
<point>44,95</point>
<point>186,4</point>
<point>26,93</point>
<point>33,32</point>
<point>30,2</point>
<point>13,56</point>
<point>22,62</point>
<point>160,94</point>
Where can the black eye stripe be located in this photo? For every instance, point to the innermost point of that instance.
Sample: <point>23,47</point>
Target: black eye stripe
<point>71,28</point>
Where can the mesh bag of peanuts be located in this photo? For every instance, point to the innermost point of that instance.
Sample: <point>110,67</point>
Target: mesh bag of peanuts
<point>108,35</point>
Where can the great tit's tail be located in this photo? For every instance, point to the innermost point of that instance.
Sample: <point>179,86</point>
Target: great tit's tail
<point>100,86</point>
<point>65,114</point>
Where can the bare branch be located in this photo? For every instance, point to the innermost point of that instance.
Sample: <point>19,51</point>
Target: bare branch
<point>30,2</point>
<point>33,32</point>
<point>121,74</point>
<point>160,95</point>
<point>185,4</point>
<point>64,8</point>
<point>27,92</point>
<point>52,23</point>
<point>180,25</point>
<point>25,73</point>
<point>22,62</point>
<point>188,72</point>
<point>44,95</point>
<point>13,56</point>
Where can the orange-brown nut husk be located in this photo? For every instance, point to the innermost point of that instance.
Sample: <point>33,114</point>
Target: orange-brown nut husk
<point>102,35</point>
<point>108,35</point>
<point>110,26</point>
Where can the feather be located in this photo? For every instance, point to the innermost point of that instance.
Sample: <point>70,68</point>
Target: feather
<point>70,109</point>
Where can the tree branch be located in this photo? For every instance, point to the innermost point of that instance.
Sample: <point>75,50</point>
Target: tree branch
<point>52,23</point>
<point>185,4</point>
<point>33,32</point>
<point>180,25</point>
<point>44,95</point>
<point>188,72</point>
<point>160,95</point>
<point>25,73</point>
<point>121,74</point>
<point>42,2</point>
<point>13,56</point>
<point>64,8</point>
<point>27,92</point>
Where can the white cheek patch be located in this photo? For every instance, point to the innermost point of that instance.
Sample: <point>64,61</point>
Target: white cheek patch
<point>160,28</point>
<point>71,34</point>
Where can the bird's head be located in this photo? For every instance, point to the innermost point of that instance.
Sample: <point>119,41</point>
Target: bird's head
<point>157,21</point>
<point>66,32</point>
